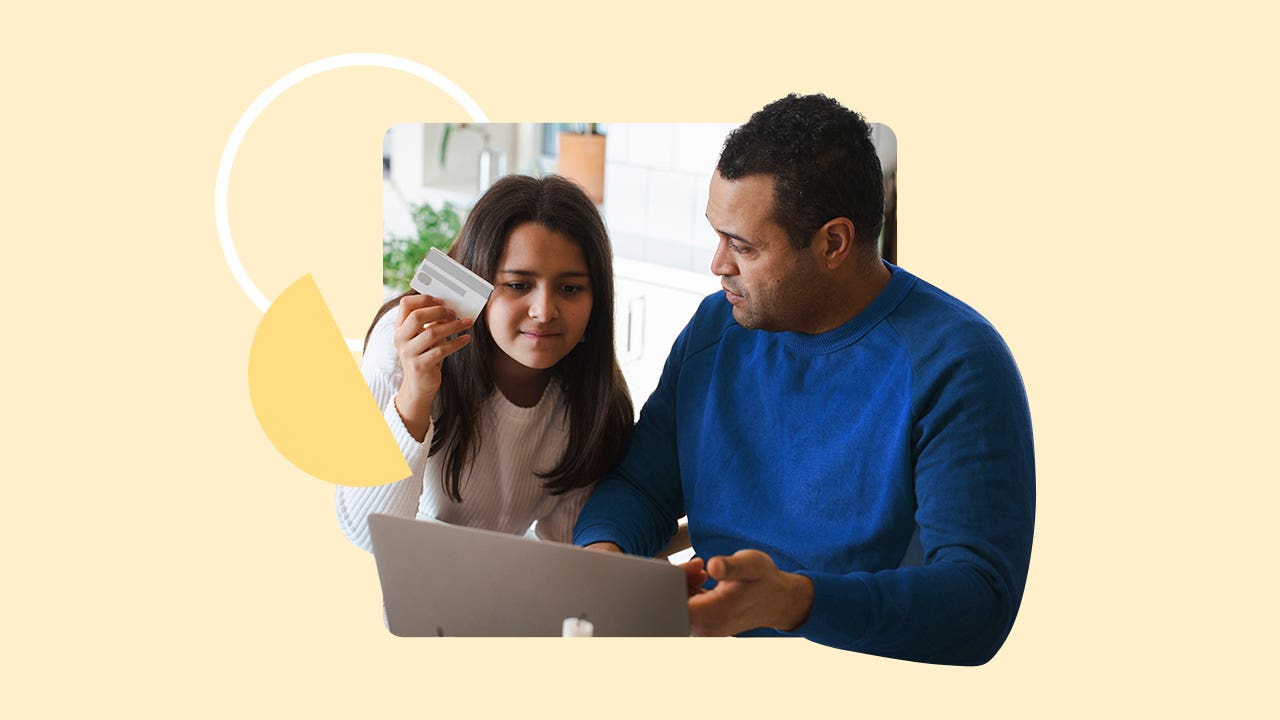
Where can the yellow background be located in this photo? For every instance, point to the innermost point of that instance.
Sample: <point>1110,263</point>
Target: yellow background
<point>1099,181</point>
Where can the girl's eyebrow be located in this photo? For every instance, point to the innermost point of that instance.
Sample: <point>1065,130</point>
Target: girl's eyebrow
<point>530,273</point>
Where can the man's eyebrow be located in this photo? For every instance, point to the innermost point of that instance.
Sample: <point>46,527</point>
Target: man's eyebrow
<point>726,233</point>
<point>530,273</point>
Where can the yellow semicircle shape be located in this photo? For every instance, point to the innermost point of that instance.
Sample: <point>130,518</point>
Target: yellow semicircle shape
<point>310,398</point>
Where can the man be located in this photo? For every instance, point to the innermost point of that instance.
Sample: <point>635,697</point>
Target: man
<point>852,446</point>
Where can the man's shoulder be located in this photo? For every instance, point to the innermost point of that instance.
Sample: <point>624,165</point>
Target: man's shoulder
<point>928,307</point>
<point>709,323</point>
<point>930,319</point>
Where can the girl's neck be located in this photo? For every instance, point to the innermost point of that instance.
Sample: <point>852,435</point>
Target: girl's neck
<point>520,384</point>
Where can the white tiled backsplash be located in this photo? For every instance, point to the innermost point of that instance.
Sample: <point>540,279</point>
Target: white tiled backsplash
<point>655,193</point>
<point>655,180</point>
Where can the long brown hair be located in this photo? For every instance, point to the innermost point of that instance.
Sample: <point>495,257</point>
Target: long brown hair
<point>597,405</point>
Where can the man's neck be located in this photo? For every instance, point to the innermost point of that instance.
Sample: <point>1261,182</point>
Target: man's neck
<point>855,292</point>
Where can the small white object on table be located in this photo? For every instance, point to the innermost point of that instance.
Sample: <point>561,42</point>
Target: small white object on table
<point>576,627</point>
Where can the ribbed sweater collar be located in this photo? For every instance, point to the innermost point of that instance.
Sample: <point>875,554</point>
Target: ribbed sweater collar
<point>859,325</point>
<point>547,404</point>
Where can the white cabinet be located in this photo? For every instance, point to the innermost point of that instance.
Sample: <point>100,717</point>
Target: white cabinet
<point>652,304</point>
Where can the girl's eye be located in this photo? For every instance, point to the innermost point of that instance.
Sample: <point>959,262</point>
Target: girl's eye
<point>571,289</point>
<point>517,286</point>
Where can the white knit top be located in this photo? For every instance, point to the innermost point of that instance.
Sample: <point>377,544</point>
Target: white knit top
<point>499,491</point>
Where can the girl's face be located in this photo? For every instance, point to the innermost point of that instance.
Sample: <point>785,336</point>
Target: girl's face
<point>541,299</point>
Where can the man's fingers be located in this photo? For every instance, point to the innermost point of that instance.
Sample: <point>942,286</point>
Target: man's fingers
<point>707,613</point>
<point>694,575</point>
<point>746,595</point>
<point>711,612</point>
<point>743,565</point>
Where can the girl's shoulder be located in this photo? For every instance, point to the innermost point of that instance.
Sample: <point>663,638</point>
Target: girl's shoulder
<point>380,352</point>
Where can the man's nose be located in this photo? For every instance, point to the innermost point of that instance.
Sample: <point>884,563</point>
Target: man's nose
<point>721,263</point>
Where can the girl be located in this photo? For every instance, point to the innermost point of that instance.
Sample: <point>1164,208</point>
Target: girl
<point>511,424</point>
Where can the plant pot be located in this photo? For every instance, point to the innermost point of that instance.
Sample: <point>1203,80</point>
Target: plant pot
<point>582,160</point>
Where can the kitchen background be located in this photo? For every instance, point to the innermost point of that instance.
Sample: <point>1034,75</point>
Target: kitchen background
<point>650,181</point>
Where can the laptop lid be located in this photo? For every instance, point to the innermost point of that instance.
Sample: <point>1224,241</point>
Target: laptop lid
<point>440,579</point>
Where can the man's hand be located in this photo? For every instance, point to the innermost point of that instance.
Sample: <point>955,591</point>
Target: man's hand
<point>694,576</point>
<point>750,592</point>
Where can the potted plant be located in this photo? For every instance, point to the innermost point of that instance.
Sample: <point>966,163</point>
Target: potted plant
<point>402,255</point>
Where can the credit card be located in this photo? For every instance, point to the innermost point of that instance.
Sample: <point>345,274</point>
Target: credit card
<point>461,290</point>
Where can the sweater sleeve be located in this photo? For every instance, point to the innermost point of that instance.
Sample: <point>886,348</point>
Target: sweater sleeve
<point>557,526</point>
<point>381,369</point>
<point>637,505</point>
<point>975,496</point>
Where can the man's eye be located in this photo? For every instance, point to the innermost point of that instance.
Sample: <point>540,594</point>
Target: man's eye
<point>733,246</point>
<point>517,286</point>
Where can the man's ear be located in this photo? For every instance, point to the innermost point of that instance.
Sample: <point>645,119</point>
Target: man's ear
<point>833,243</point>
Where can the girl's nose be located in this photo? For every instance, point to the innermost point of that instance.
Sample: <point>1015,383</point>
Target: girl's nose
<point>543,306</point>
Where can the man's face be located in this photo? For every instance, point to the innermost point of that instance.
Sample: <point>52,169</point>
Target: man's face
<point>771,285</point>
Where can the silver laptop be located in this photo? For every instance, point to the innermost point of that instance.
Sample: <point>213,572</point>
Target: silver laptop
<point>448,580</point>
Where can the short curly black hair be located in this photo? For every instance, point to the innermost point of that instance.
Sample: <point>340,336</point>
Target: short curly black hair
<point>822,162</point>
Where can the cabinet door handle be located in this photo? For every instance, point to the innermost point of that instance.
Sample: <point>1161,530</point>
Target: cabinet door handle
<point>634,331</point>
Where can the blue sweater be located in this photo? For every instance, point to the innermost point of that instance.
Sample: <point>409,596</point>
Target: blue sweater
<point>889,460</point>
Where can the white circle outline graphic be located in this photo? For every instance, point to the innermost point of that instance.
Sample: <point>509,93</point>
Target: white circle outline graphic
<point>259,104</point>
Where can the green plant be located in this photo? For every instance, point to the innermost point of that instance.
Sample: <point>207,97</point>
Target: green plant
<point>402,255</point>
